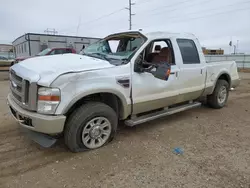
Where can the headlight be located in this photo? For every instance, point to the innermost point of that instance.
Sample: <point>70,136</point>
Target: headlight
<point>48,100</point>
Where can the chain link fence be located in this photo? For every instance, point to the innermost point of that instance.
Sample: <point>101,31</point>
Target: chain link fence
<point>243,61</point>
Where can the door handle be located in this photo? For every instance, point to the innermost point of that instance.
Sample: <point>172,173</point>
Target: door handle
<point>176,73</point>
<point>201,71</point>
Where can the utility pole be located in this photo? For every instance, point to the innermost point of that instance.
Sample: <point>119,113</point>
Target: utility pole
<point>129,8</point>
<point>237,47</point>
<point>234,49</point>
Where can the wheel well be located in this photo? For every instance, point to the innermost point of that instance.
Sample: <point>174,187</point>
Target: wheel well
<point>225,77</point>
<point>109,99</point>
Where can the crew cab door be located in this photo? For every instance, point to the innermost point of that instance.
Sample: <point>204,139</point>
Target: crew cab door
<point>192,75</point>
<point>150,93</point>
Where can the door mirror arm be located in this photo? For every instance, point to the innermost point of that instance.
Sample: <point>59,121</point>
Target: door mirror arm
<point>160,70</point>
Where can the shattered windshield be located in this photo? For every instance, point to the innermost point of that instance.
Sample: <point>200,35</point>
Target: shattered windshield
<point>116,47</point>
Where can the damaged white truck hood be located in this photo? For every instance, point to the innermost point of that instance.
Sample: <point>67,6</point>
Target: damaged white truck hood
<point>46,69</point>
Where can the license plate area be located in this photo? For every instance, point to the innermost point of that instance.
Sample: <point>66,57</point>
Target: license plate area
<point>21,119</point>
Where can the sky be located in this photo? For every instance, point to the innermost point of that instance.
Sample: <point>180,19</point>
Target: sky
<point>214,22</point>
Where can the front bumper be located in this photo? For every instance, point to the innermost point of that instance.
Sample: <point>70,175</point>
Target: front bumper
<point>36,122</point>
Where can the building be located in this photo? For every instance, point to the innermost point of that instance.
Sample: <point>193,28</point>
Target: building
<point>6,50</point>
<point>212,51</point>
<point>31,44</point>
<point>6,47</point>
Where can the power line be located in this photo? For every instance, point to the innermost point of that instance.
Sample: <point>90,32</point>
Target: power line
<point>216,14</point>
<point>219,8</point>
<point>185,20</point>
<point>198,3</point>
<point>97,19</point>
<point>142,2</point>
<point>171,5</point>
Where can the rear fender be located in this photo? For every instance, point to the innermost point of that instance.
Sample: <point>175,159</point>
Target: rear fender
<point>226,73</point>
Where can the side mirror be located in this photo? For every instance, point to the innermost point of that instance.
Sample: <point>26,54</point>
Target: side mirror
<point>162,71</point>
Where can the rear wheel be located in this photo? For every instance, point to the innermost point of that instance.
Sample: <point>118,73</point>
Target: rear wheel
<point>90,126</point>
<point>220,95</point>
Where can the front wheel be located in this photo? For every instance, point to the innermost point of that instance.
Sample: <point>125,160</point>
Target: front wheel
<point>90,126</point>
<point>220,95</point>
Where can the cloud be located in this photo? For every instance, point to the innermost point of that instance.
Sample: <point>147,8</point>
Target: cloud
<point>214,22</point>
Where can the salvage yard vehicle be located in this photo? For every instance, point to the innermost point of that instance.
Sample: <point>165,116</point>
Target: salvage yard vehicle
<point>119,78</point>
<point>5,61</point>
<point>48,51</point>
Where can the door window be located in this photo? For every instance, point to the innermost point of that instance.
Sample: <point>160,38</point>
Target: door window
<point>159,51</point>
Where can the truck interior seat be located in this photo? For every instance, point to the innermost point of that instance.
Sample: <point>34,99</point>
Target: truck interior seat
<point>163,56</point>
<point>151,56</point>
<point>157,48</point>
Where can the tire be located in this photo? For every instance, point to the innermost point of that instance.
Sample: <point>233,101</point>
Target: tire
<point>215,100</point>
<point>83,119</point>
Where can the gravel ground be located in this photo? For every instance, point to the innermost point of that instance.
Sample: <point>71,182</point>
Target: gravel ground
<point>215,143</point>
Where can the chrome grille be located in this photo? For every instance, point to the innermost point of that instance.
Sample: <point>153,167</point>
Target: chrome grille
<point>16,86</point>
<point>24,92</point>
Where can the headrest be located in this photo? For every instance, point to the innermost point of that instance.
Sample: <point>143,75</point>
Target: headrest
<point>157,47</point>
<point>164,51</point>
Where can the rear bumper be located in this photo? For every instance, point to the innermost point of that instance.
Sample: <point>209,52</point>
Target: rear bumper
<point>36,122</point>
<point>235,83</point>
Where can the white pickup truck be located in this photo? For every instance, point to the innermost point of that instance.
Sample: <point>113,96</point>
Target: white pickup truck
<point>132,76</point>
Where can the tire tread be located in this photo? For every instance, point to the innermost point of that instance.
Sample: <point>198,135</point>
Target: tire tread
<point>80,115</point>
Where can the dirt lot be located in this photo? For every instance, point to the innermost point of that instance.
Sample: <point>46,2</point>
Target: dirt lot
<point>216,147</point>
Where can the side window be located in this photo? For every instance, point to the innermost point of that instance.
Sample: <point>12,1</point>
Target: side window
<point>158,45</point>
<point>57,51</point>
<point>159,51</point>
<point>189,51</point>
<point>68,51</point>
<point>52,52</point>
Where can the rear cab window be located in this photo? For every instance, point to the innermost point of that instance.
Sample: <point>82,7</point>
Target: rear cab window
<point>188,51</point>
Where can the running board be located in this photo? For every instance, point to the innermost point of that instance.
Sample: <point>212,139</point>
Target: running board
<point>155,115</point>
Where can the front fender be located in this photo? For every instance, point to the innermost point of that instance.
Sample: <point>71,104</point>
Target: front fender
<point>126,104</point>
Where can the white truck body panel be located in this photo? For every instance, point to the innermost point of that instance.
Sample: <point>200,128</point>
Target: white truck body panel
<point>47,68</point>
<point>216,68</point>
